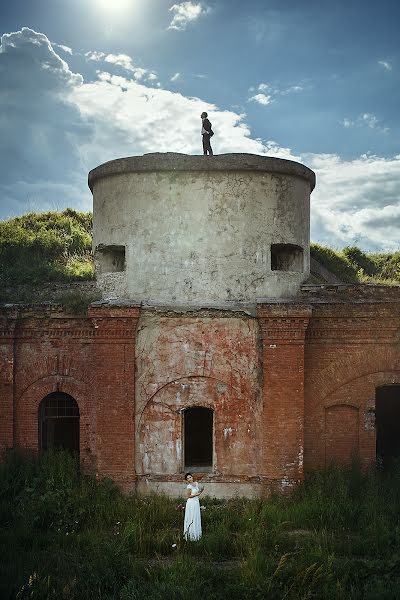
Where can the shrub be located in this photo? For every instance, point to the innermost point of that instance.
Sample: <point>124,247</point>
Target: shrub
<point>336,262</point>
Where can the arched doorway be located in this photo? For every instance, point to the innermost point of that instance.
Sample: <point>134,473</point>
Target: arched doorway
<point>387,423</point>
<point>198,438</point>
<point>59,422</point>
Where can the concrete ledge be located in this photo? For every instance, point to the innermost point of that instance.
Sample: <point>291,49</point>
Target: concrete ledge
<point>173,161</point>
<point>213,489</point>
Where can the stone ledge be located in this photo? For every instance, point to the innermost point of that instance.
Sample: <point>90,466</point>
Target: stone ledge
<point>173,161</point>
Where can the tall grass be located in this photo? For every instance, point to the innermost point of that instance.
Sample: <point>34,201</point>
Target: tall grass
<point>66,534</point>
<point>52,246</point>
<point>353,265</point>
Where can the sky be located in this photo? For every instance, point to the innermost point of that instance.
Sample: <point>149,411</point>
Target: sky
<point>87,81</point>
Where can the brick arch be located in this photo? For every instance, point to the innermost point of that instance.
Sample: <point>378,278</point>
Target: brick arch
<point>356,393</point>
<point>180,381</point>
<point>58,364</point>
<point>159,425</point>
<point>347,369</point>
<point>28,403</point>
<point>372,381</point>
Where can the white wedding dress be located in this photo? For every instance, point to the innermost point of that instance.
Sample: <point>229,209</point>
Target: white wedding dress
<point>192,522</point>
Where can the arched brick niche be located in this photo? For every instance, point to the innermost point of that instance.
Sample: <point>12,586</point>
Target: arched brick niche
<point>342,425</point>
<point>27,409</point>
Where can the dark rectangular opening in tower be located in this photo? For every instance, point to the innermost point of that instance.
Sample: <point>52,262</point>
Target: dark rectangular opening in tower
<point>287,257</point>
<point>198,436</point>
<point>111,259</point>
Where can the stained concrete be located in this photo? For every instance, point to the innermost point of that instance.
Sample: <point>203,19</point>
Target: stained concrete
<point>198,229</point>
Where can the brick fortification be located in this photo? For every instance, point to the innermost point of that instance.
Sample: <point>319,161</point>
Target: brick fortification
<point>291,382</point>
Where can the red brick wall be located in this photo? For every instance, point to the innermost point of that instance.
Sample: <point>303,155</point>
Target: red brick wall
<point>350,351</point>
<point>89,358</point>
<point>299,378</point>
<point>283,331</point>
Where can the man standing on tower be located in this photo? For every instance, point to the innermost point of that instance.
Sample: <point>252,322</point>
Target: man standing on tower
<point>207,133</point>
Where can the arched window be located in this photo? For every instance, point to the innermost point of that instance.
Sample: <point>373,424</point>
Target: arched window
<point>198,438</point>
<point>59,422</point>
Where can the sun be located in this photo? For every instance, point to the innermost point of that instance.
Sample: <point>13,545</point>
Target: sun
<point>115,8</point>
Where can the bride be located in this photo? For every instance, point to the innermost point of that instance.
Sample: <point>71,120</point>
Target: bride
<point>192,522</point>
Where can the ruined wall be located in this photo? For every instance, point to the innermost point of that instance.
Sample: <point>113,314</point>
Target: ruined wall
<point>181,229</point>
<point>292,389</point>
<point>44,350</point>
<point>209,360</point>
<point>350,351</point>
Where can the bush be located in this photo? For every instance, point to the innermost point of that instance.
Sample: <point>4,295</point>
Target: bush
<point>360,260</point>
<point>336,262</point>
<point>51,246</point>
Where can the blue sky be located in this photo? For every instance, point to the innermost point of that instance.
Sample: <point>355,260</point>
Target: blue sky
<point>83,82</point>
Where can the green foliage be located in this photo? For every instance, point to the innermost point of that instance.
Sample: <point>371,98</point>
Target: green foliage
<point>353,265</point>
<point>68,534</point>
<point>360,260</point>
<point>52,246</point>
<point>336,262</point>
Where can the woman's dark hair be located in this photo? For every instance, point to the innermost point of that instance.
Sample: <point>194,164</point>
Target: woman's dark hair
<point>186,474</point>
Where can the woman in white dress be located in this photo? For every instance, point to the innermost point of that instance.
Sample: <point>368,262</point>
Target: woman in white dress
<point>192,522</point>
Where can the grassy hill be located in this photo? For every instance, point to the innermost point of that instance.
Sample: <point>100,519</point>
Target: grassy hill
<point>353,265</point>
<point>56,247</point>
<point>52,246</point>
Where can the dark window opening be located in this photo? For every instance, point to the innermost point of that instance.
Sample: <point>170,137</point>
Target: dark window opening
<point>59,422</point>
<point>387,422</point>
<point>198,436</point>
<point>111,259</point>
<point>287,257</point>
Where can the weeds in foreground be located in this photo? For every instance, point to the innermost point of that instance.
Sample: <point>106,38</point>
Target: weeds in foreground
<point>66,534</point>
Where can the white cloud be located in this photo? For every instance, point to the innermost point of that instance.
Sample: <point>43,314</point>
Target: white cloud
<point>66,49</point>
<point>261,99</point>
<point>385,64</point>
<point>124,61</point>
<point>356,201</point>
<point>273,92</point>
<point>56,127</point>
<point>293,89</point>
<point>94,55</point>
<point>365,120</point>
<point>175,77</point>
<point>347,123</point>
<point>185,13</point>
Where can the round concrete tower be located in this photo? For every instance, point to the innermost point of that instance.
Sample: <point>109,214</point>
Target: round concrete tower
<point>173,228</point>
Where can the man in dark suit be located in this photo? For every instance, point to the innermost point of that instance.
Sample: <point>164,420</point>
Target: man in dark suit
<point>207,133</point>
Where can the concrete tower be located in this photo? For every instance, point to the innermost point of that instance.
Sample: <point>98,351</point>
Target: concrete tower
<point>212,252</point>
<point>178,229</point>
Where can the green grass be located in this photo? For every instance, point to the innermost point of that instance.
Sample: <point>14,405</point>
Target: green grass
<point>65,534</point>
<point>353,265</point>
<point>52,246</point>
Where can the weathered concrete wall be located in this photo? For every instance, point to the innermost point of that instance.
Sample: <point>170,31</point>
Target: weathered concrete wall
<point>203,360</point>
<point>198,230</point>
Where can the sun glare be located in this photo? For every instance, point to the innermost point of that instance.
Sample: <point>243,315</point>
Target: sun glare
<point>115,8</point>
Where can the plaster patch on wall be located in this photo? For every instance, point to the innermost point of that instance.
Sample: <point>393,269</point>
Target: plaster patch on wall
<point>227,432</point>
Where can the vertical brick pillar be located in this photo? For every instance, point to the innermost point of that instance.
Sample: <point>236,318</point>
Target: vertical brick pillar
<point>7,330</point>
<point>283,328</point>
<point>114,393</point>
